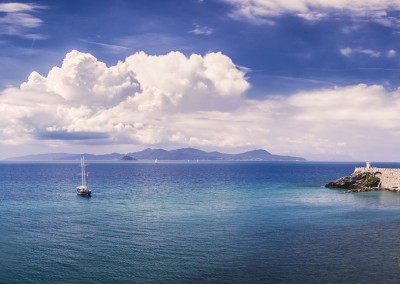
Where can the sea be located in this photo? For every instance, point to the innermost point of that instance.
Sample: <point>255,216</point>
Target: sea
<point>195,222</point>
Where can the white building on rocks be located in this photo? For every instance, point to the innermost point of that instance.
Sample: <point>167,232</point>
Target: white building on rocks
<point>390,178</point>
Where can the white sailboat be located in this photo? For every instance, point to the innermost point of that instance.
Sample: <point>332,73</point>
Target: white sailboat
<point>83,190</point>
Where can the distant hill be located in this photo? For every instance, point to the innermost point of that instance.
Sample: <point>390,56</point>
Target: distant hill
<point>161,154</point>
<point>179,154</point>
<point>263,155</point>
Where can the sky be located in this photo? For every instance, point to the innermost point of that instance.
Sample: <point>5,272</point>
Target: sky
<point>311,78</point>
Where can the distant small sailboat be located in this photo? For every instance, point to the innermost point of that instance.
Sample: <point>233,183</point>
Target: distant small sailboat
<point>83,190</point>
<point>155,161</point>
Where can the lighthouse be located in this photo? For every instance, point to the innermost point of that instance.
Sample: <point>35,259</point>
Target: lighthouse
<point>368,165</point>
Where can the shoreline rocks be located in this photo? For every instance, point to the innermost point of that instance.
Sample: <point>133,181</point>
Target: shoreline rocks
<point>357,182</point>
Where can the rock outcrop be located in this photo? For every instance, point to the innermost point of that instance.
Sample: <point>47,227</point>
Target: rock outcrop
<point>357,182</point>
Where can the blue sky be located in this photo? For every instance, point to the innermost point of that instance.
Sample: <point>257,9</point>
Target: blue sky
<point>290,54</point>
<point>314,50</point>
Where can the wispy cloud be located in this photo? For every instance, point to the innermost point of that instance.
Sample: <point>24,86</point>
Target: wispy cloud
<point>264,11</point>
<point>370,52</point>
<point>155,42</point>
<point>19,20</point>
<point>18,7</point>
<point>300,79</point>
<point>35,36</point>
<point>112,48</point>
<point>201,30</point>
<point>347,51</point>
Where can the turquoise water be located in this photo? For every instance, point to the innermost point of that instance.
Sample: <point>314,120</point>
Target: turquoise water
<point>194,222</point>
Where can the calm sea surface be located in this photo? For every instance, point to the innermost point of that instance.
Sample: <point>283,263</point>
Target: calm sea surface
<point>194,222</point>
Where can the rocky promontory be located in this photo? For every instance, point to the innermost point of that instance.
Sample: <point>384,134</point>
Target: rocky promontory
<point>357,182</point>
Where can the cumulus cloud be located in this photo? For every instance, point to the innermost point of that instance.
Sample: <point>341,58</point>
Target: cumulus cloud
<point>82,79</point>
<point>174,100</point>
<point>262,11</point>
<point>19,20</point>
<point>131,101</point>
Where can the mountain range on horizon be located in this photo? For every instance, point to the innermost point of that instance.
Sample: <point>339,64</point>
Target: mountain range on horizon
<point>161,154</point>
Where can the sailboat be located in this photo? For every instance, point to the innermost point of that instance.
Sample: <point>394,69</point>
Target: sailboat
<point>83,190</point>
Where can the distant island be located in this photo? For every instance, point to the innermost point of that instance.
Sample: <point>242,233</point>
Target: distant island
<point>161,154</point>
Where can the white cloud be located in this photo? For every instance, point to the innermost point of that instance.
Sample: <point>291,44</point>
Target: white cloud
<point>130,101</point>
<point>370,52</point>
<point>262,11</point>
<point>82,79</point>
<point>17,7</point>
<point>200,30</point>
<point>346,51</point>
<point>391,53</point>
<point>111,48</point>
<point>18,19</point>
<point>366,51</point>
<point>358,120</point>
<point>172,101</point>
<point>35,36</point>
<point>312,15</point>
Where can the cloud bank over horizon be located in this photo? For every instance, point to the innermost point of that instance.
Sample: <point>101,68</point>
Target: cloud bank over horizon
<point>200,101</point>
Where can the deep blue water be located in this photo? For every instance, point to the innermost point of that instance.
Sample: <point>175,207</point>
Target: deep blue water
<point>194,222</point>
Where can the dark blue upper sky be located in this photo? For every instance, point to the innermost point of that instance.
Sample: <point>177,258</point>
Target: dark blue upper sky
<point>285,54</point>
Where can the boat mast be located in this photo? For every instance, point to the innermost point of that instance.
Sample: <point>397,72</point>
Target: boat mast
<point>83,171</point>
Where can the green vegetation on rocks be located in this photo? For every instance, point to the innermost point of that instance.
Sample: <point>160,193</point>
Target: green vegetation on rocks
<point>357,182</point>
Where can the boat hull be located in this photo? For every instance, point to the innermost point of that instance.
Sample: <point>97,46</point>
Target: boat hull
<point>84,192</point>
